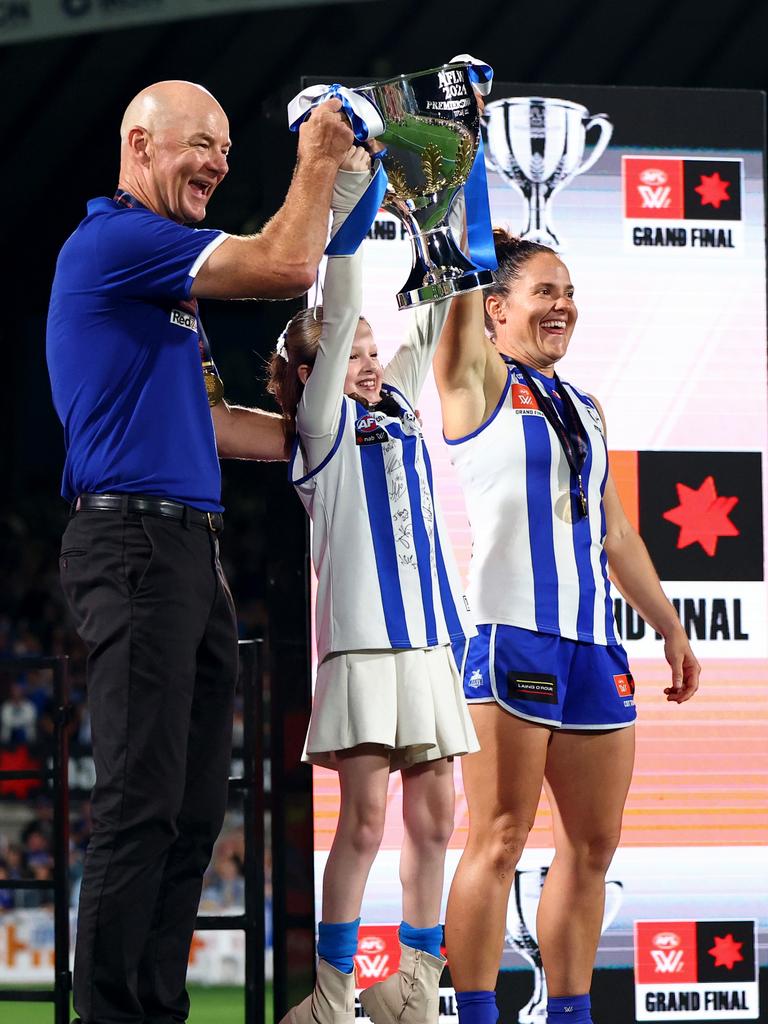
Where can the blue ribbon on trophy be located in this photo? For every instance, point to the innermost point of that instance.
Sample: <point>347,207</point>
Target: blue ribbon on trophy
<point>479,234</point>
<point>366,123</point>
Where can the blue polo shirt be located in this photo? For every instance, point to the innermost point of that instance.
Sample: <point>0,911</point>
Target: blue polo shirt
<point>124,360</point>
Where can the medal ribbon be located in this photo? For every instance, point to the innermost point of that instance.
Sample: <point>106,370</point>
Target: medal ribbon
<point>570,434</point>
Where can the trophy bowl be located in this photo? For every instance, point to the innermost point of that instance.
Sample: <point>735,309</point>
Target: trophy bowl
<point>428,146</point>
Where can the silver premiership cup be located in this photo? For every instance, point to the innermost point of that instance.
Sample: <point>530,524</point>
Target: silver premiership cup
<point>431,134</point>
<point>538,145</point>
<point>522,938</point>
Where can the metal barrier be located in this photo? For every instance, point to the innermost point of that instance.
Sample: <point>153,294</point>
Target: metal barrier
<point>57,774</point>
<point>250,783</point>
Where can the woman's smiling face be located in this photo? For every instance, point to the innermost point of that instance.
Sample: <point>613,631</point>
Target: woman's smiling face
<point>534,321</point>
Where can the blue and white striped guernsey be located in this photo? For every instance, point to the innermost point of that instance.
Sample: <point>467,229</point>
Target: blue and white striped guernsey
<point>385,569</point>
<point>535,562</point>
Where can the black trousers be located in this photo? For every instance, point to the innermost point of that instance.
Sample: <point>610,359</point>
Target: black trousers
<point>153,607</point>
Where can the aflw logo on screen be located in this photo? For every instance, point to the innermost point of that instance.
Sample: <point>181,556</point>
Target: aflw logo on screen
<point>681,202</point>
<point>378,953</point>
<point>695,970</point>
<point>682,189</point>
<point>666,954</point>
<point>689,952</point>
<point>654,190</point>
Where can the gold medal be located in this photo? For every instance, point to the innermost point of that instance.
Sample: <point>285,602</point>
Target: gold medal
<point>214,385</point>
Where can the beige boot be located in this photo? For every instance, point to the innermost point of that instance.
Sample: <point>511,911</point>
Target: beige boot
<point>332,1001</point>
<point>411,995</point>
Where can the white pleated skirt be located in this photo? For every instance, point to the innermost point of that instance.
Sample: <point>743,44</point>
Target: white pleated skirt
<point>411,702</point>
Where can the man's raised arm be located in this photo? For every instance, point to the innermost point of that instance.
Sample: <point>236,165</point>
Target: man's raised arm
<point>281,261</point>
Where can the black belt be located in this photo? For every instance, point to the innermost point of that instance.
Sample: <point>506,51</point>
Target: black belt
<point>213,521</point>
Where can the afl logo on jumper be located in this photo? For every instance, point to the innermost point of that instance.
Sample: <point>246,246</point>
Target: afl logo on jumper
<point>368,430</point>
<point>182,318</point>
<point>524,401</point>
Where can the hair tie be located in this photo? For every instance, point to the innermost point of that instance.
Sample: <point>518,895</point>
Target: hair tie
<point>281,348</point>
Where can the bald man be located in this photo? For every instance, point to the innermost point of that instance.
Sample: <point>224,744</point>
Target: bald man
<point>135,387</point>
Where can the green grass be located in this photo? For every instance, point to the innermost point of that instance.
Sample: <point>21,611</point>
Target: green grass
<point>215,1005</point>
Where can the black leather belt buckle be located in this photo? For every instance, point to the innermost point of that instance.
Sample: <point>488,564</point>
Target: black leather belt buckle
<point>137,503</point>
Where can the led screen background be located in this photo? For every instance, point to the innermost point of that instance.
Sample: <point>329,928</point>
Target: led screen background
<point>671,339</point>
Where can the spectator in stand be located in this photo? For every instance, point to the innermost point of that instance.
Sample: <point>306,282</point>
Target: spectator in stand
<point>18,718</point>
<point>6,895</point>
<point>40,869</point>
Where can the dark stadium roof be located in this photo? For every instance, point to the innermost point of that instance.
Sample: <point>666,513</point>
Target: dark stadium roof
<point>63,98</point>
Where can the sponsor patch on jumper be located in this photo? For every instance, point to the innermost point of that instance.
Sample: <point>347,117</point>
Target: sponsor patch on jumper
<point>535,686</point>
<point>625,685</point>
<point>368,430</point>
<point>524,400</point>
<point>181,318</point>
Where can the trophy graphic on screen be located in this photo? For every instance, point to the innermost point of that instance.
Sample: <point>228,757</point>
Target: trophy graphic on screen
<point>521,937</point>
<point>538,145</point>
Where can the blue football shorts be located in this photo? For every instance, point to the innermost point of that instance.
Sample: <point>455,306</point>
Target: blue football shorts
<point>548,679</point>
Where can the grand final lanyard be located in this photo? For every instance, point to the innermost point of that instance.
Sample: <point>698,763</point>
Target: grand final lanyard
<point>570,434</point>
<point>214,386</point>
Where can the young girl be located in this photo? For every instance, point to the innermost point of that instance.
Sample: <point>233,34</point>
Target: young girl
<point>388,695</point>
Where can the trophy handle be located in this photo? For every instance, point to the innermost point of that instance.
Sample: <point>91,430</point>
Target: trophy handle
<point>606,131</point>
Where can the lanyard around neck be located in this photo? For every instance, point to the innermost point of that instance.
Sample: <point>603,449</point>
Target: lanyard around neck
<point>569,429</point>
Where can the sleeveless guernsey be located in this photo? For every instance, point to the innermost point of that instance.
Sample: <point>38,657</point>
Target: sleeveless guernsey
<point>537,563</point>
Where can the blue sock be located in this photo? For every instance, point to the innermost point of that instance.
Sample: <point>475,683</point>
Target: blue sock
<point>477,1007</point>
<point>337,944</point>
<point>569,1010</point>
<point>426,939</point>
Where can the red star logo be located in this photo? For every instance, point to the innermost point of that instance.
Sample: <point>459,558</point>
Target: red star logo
<point>702,516</point>
<point>726,951</point>
<point>18,760</point>
<point>713,190</point>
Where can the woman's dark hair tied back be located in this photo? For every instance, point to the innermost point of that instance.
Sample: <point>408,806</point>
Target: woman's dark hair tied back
<point>512,253</point>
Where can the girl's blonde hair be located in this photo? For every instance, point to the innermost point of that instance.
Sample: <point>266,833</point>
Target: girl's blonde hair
<point>296,347</point>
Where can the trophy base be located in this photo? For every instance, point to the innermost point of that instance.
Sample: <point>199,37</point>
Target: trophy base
<point>468,282</point>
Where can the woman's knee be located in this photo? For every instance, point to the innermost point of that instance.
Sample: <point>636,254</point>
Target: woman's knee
<point>591,854</point>
<point>501,844</point>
